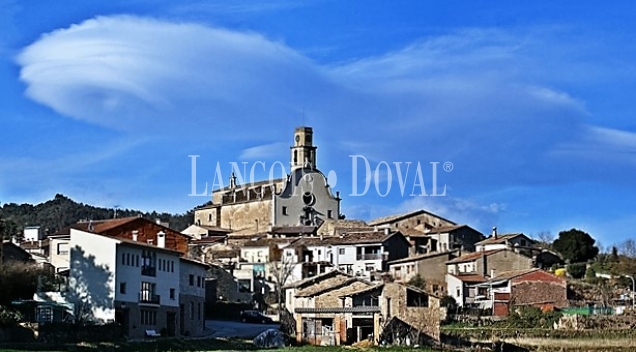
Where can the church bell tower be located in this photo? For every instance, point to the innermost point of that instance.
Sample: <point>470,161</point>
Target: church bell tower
<point>303,151</point>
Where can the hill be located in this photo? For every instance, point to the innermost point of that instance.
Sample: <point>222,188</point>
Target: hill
<point>62,211</point>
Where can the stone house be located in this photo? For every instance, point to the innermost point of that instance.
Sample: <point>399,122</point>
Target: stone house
<point>365,253</point>
<point>447,238</point>
<point>396,301</point>
<point>465,271</point>
<point>530,287</point>
<point>336,308</point>
<point>502,241</point>
<point>430,267</point>
<point>318,309</point>
<point>418,219</point>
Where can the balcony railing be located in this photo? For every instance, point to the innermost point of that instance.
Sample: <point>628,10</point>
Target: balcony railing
<point>148,271</point>
<point>149,298</point>
<point>370,256</point>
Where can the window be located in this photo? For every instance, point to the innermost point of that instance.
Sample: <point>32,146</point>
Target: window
<point>284,210</point>
<point>127,258</point>
<point>199,311</point>
<point>172,293</point>
<point>62,249</point>
<point>192,310</point>
<point>329,214</point>
<point>210,217</point>
<point>523,243</point>
<point>191,280</point>
<point>137,260</point>
<point>171,266</point>
<point>319,252</point>
<point>123,259</point>
<point>148,317</point>
<point>341,251</point>
<point>122,288</point>
<point>198,281</point>
<point>416,299</point>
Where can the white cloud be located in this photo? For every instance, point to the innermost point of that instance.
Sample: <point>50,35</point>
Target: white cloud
<point>262,152</point>
<point>479,98</point>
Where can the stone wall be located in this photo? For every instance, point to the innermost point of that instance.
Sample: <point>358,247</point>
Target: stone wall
<point>433,271</point>
<point>426,319</point>
<point>254,215</point>
<point>537,288</point>
<point>505,260</point>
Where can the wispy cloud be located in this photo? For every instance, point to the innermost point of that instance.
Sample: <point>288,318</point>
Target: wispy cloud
<point>262,152</point>
<point>481,98</point>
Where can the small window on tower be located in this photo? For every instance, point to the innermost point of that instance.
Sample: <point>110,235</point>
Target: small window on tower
<point>329,214</point>
<point>284,210</point>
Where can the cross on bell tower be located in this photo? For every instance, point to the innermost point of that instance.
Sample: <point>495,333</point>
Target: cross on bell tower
<point>303,152</point>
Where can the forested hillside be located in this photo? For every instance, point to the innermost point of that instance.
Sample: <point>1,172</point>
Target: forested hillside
<point>62,211</point>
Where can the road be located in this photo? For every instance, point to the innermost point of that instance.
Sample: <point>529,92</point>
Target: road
<point>224,328</point>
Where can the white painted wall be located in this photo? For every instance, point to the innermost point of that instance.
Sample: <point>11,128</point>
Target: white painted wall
<point>92,274</point>
<point>452,286</point>
<point>198,271</point>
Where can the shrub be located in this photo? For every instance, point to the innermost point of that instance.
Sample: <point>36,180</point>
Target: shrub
<point>9,317</point>
<point>448,302</point>
<point>577,271</point>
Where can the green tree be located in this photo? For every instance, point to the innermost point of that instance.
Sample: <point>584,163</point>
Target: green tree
<point>575,246</point>
<point>418,282</point>
<point>577,271</point>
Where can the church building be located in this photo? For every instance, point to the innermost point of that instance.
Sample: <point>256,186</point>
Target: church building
<point>303,198</point>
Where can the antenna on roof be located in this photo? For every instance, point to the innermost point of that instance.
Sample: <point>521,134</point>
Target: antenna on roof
<point>115,207</point>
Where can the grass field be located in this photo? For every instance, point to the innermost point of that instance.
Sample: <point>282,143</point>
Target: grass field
<point>178,345</point>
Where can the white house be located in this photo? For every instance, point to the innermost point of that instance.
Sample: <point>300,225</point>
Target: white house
<point>137,284</point>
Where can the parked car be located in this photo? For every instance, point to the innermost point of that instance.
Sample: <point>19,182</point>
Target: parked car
<point>254,316</point>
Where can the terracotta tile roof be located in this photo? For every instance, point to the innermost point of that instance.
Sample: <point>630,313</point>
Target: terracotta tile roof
<point>313,279</point>
<point>366,237</point>
<point>313,241</point>
<point>349,223</point>
<point>337,231</point>
<point>297,230</point>
<point>507,275</point>
<point>410,232</point>
<point>209,239</point>
<point>473,256</point>
<point>419,257</point>
<point>396,217</point>
<point>363,290</point>
<point>326,285</point>
<point>266,242</point>
<point>471,278</point>
<point>501,238</point>
<point>98,226</point>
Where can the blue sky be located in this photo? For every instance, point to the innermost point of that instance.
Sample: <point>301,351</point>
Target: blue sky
<point>532,103</point>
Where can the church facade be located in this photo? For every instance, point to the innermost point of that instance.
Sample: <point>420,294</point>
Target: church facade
<point>303,198</point>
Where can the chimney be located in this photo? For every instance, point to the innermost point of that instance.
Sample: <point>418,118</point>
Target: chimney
<point>158,221</point>
<point>386,231</point>
<point>135,234</point>
<point>161,239</point>
<point>492,273</point>
<point>494,232</point>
